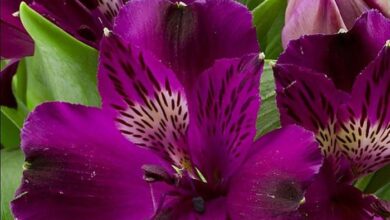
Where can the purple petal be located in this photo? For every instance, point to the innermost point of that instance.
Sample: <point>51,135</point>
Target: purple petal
<point>78,166</point>
<point>336,55</point>
<point>188,38</point>
<point>14,40</point>
<point>311,17</point>
<point>184,210</point>
<point>7,97</point>
<point>365,120</point>
<point>223,110</point>
<point>147,100</point>
<point>329,198</point>
<point>311,100</point>
<point>84,19</point>
<point>271,183</point>
<point>383,6</point>
<point>351,9</point>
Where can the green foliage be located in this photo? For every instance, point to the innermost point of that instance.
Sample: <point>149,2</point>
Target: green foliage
<point>9,133</point>
<point>268,117</point>
<point>11,174</point>
<point>62,68</point>
<point>268,17</point>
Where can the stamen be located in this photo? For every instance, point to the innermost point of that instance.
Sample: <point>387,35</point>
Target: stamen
<point>342,31</point>
<point>198,204</point>
<point>387,43</point>
<point>16,14</point>
<point>200,175</point>
<point>261,56</point>
<point>303,200</point>
<point>181,4</point>
<point>106,32</point>
<point>153,198</point>
<point>153,173</point>
<point>26,165</point>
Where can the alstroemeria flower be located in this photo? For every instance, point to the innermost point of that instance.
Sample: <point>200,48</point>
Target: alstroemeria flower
<point>79,166</point>
<point>332,196</point>
<point>305,17</point>
<point>15,43</point>
<point>83,19</point>
<point>338,87</point>
<point>188,36</point>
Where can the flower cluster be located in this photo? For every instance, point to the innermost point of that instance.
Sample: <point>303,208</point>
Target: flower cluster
<point>174,137</point>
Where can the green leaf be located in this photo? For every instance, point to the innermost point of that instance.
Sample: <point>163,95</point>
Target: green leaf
<point>9,133</point>
<point>378,180</point>
<point>62,67</point>
<point>268,18</point>
<point>16,116</point>
<point>384,192</point>
<point>11,173</point>
<point>252,4</point>
<point>374,181</point>
<point>268,117</point>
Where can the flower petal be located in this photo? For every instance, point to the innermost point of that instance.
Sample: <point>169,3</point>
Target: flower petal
<point>7,97</point>
<point>311,100</point>
<point>364,134</point>
<point>78,166</point>
<point>335,55</point>
<point>271,183</point>
<point>84,19</point>
<point>147,100</point>
<point>188,38</point>
<point>183,209</point>
<point>351,9</point>
<point>223,110</point>
<point>328,198</point>
<point>383,6</point>
<point>311,17</point>
<point>14,40</point>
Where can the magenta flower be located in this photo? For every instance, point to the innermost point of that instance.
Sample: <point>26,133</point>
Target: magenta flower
<point>83,19</point>
<point>338,87</point>
<point>325,16</point>
<point>15,43</point>
<point>160,149</point>
<point>332,196</point>
<point>191,39</point>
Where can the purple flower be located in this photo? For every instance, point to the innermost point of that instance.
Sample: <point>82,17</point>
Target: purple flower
<point>325,16</point>
<point>15,43</point>
<point>338,87</point>
<point>332,196</point>
<point>83,19</point>
<point>188,40</point>
<point>160,149</point>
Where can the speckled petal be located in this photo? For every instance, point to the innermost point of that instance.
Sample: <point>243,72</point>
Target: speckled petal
<point>146,99</point>
<point>364,134</point>
<point>223,111</point>
<point>84,19</point>
<point>78,166</point>
<point>311,100</point>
